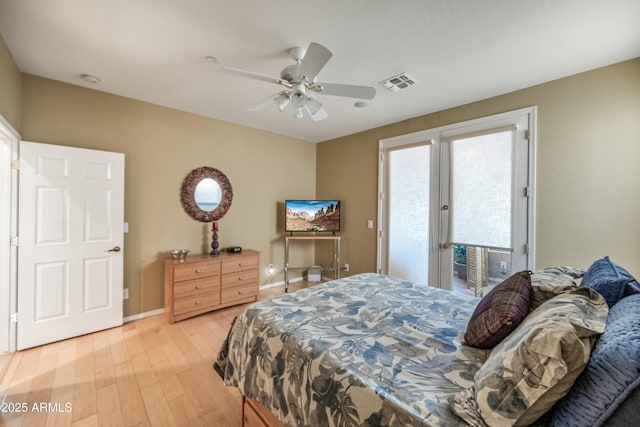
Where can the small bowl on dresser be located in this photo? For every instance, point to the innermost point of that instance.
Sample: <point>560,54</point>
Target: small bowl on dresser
<point>180,254</point>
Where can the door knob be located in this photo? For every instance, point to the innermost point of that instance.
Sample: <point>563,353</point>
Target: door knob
<point>114,249</point>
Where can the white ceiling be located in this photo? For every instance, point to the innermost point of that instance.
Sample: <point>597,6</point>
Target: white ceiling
<point>459,50</point>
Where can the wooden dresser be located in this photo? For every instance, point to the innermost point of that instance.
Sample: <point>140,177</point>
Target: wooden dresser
<point>204,283</point>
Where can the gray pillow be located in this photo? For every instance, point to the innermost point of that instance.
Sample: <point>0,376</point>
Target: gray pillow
<point>611,280</point>
<point>574,272</point>
<point>548,283</point>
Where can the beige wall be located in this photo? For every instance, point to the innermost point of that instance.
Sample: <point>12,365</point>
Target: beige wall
<point>588,184</point>
<point>9,88</point>
<point>161,147</point>
<point>588,178</point>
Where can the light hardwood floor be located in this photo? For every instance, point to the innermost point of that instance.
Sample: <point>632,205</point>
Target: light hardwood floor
<point>145,373</point>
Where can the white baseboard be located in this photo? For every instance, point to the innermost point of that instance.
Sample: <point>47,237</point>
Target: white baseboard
<point>161,310</point>
<point>143,315</point>
<point>281,283</point>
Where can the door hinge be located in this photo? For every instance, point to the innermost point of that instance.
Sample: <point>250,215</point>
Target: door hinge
<point>527,135</point>
<point>15,165</point>
<point>526,249</point>
<point>15,241</point>
<point>14,318</point>
<point>527,192</point>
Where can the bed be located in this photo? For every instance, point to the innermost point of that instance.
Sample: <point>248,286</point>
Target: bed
<point>361,348</point>
<point>366,350</point>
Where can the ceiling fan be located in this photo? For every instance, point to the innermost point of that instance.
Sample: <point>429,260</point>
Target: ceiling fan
<point>299,81</point>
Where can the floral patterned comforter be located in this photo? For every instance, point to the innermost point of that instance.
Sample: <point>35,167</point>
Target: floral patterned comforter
<point>366,350</point>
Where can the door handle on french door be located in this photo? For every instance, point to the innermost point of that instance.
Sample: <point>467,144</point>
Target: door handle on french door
<point>114,249</point>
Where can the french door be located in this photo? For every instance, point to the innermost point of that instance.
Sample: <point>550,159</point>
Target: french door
<point>456,202</point>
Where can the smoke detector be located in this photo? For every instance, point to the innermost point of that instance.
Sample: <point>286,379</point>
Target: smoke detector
<point>399,82</point>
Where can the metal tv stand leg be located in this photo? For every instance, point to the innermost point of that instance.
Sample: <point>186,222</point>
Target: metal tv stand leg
<point>286,264</point>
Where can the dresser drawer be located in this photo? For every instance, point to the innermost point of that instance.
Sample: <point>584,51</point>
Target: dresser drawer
<point>195,302</point>
<point>239,263</point>
<point>239,278</point>
<point>194,270</point>
<point>196,286</point>
<point>238,292</point>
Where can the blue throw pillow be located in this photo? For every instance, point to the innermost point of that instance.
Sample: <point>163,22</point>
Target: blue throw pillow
<point>610,280</point>
<point>612,374</point>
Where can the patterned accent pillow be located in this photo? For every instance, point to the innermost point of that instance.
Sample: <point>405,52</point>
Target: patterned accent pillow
<point>574,272</point>
<point>499,312</point>
<point>548,283</point>
<point>536,364</point>
<point>610,280</point>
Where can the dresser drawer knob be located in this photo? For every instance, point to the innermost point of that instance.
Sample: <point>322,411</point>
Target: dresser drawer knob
<point>197,286</point>
<point>197,270</point>
<point>197,302</point>
<point>239,277</point>
<point>240,264</point>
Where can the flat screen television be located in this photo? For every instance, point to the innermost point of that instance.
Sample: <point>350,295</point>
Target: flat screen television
<point>312,216</point>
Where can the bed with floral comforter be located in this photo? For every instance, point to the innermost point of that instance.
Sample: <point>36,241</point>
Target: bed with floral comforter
<point>364,350</point>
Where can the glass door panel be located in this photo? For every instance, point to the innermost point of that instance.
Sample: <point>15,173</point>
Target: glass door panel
<point>482,190</point>
<point>408,181</point>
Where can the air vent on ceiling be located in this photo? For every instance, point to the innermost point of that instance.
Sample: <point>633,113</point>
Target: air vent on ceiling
<point>399,82</point>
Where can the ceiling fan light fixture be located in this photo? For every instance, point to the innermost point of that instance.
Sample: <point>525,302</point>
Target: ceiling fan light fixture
<point>297,112</point>
<point>282,101</point>
<point>298,99</point>
<point>313,105</point>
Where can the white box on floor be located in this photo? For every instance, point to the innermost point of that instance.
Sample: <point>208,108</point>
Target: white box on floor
<point>314,273</point>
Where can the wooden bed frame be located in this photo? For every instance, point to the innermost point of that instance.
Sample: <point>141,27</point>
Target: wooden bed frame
<point>256,415</point>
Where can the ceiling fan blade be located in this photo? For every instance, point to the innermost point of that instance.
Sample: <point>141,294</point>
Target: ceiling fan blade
<point>252,75</point>
<point>351,91</point>
<point>314,60</point>
<point>269,100</point>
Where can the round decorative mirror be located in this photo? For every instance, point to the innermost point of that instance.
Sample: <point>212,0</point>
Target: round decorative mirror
<point>206,194</point>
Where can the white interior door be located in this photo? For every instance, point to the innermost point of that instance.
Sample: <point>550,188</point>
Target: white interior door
<point>70,264</point>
